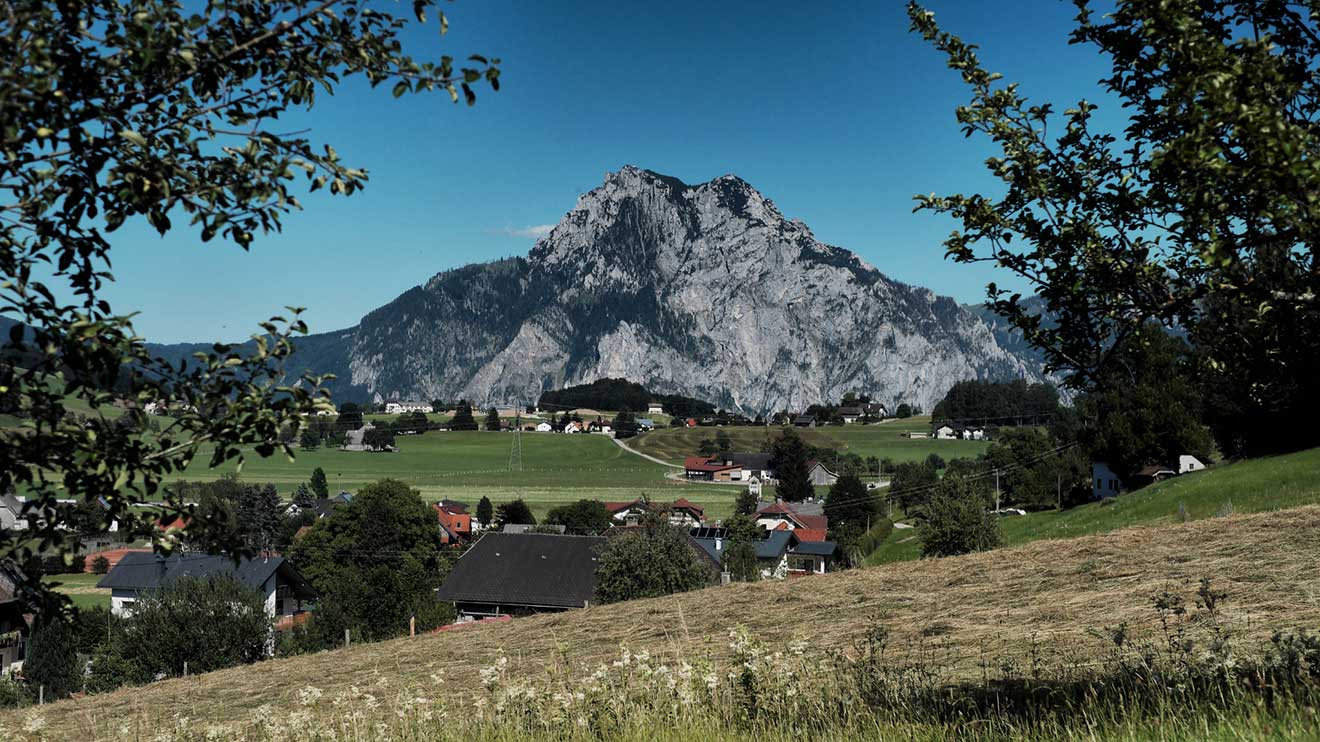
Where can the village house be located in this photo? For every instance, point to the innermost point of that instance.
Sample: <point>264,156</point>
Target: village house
<point>754,465</point>
<point>946,432</point>
<point>820,475</point>
<point>518,574</point>
<point>285,591</point>
<point>14,626</point>
<point>682,512</point>
<point>804,421</point>
<point>655,408</point>
<point>778,554</point>
<point>1104,481</point>
<point>12,517</point>
<point>704,469</point>
<point>397,408</point>
<point>807,519</point>
<point>851,414</point>
<point>1152,474</point>
<point>544,427</point>
<point>455,522</point>
<point>1188,463</point>
<point>876,410</point>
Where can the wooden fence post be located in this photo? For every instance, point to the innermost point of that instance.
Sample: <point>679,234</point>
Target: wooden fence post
<point>347,640</point>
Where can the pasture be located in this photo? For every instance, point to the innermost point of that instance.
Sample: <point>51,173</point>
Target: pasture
<point>882,440</point>
<point>556,469</point>
<point>1252,486</point>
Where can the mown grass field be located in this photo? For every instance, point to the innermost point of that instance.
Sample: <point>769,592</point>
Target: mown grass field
<point>1049,600</point>
<point>883,440</point>
<point>556,469</point>
<point>1256,485</point>
<point>82,590</point>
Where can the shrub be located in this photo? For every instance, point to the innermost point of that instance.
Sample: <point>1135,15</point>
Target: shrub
<point>100,565</point>
<point>13,694</point>
<point>957,520</point>
<point>52,659</point>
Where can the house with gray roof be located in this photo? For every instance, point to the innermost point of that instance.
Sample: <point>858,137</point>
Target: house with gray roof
<point>286,592</point>
<point>513,574</point>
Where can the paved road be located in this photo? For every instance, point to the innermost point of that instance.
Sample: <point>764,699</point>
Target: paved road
<point>646,456</point>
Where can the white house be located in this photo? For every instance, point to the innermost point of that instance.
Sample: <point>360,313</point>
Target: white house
<point>11,513</point>
<point>1104,482</point>
<point>1187,463</point>
<point>655,408</point>
<point>543,428</point>
<point>850,414</point>
<point>285,591</point>
<point>573,427</point>
<point>398,408</point>
<point>973,433</point>
<point>945,432</point>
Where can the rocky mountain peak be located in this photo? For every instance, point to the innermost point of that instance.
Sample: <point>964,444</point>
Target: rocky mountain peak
<point>705,290</point>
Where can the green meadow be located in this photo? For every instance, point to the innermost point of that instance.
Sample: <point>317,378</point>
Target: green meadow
<point>882,440</point>
<point>1252,486</point>
<point>555,469</point>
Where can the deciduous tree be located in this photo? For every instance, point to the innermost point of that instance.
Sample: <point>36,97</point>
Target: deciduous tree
<point>1197,215</point>
<point>157,112</point>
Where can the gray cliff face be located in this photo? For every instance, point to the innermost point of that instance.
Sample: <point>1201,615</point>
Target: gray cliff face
<point>703,290</point>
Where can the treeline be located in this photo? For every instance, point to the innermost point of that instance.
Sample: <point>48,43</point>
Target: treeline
<point>621,394</point>
<point>1002,402</point>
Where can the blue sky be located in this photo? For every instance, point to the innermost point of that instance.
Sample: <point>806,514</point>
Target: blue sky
<point>833,110</point>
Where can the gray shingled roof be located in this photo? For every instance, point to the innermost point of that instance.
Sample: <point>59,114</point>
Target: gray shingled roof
<point>772,546</point>
<point>146,571</point>
<point>526,569</point>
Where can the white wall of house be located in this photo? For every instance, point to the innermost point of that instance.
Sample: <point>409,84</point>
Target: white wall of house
<point>1104,482</point>
<point>944,432</point>
<point>1188,463</point>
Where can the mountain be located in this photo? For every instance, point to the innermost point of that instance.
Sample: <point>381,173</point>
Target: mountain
<point>705,290</point>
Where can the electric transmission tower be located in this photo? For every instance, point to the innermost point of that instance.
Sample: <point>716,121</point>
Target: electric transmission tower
<point>515,450</point>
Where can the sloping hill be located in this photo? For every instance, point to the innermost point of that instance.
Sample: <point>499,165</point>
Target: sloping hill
<point>965,609</point>
<point>1252,486</point>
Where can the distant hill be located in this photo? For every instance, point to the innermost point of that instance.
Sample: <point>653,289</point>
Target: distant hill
<point>621,394</point>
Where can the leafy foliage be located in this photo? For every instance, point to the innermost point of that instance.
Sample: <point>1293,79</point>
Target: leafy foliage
<point>582,518</point>
<point>656,559</point>
<point>159,112</point>
<point>621,394</point>
<point>320,486</point>
<point>789,461</point>
<point>485,513</point>
<point>957,520</point>
<point>514,511</point>
<point>463,419</point>
<point>852,510</point>
<point>1198,215</point>
<point>375,562</point>
<point>741,536</point>
<point>1000,402</point>
<point>1147,410</point>
<point>52,659</point>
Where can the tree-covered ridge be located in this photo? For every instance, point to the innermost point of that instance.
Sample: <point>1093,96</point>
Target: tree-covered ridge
<point>998,402</point>
<point>621,394</point>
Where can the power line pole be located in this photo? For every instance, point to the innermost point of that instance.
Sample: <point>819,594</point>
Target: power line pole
<point>515,452</point>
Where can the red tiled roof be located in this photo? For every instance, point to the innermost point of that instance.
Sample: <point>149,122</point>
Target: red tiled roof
<point>683,503</point>
<point>614,507</point>
<point>811,534</point>
<point>818,522</point>
<point>701,463</point>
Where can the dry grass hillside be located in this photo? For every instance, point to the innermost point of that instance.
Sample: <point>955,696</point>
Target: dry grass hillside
<point>964,610</point>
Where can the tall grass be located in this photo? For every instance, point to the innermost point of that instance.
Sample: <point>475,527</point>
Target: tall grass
<point>1182,679</point>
